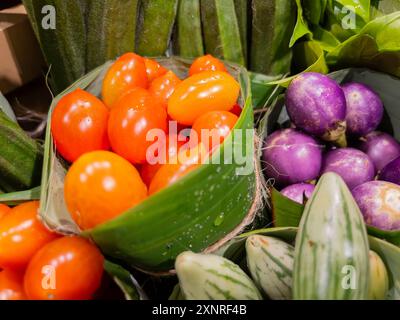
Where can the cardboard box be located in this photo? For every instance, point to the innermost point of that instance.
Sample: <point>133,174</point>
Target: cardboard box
<point>21,60</point>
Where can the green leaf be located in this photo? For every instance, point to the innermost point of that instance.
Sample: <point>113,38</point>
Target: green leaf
<point>208,204</point>
<point>383,7</point>
<point>377,46</point>
<point>262,90</point>
<point>6,108</point>
<point>14,198</point>
<point>125,281</point>
<point>314,10</point>
<point>301,29</point>
<point>285,212</point>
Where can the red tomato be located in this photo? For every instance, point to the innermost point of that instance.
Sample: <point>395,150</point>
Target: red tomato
<point>133,116</point>
<point>206,63</point>
<point>170,148</point>
<point>11,285</point>
<point>69,268</point>
<point>128,72</point>
<point>101,185</point>
<point>4,210</point>
<point>164,86</point>
<point>213,127</point>
<point>153,69</point>
<point>186,161</point>
<point>79,125</point>
<point>236,110</point>
<point>201,93</point>
<point>21,235</point>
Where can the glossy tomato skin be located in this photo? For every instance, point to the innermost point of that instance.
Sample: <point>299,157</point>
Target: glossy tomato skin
<point>21,235</point>
<point>186,161</point>
<point>206,63</point>
<point>170,148</point>
<point>11,285</point>
<point>99,186</point>
<point>135,114</point>
<point>213,127</point>
<point>237,110</point>
<point>4,210</point>
<point>127,72</point>
<point>74,269</point>
<point>79,125</point>
<point>202,93</point>
<point>153,69</point>
<point>163,87</point>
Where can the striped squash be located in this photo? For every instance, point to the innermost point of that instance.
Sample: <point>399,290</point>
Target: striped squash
<point>270,262</point>
<point>331,253</point>
<point>378,277</point>
<point>211,277</point>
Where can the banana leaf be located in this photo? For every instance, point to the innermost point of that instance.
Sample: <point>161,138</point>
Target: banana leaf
<point>209,204</point>
<point>390,254</point>
<point>14,198</point>
<point>288,213</point>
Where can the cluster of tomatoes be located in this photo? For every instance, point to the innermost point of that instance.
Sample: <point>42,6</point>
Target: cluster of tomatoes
<point>38,264</point>
<point>107,141</point>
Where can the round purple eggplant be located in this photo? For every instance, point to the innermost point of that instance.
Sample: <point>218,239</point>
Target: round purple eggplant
<point>381,147</point>
<point>379,202</point>
<point>391,172</point>
<point>353,165</point>
<point>316,104</point>
<point>296,192</point>
<point>364,109</point>
<point>290,156</point>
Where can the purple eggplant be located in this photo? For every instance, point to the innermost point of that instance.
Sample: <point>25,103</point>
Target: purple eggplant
<point>379,202</point>
<point>391,172</point>
<point>290,156</point>
<point>381,147</point>
<point>364,109</point>
<point>296,192</point>
<point>353,165</point>
<point>316,104</point>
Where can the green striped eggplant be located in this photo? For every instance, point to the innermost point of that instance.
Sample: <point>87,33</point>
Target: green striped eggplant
<point>221,32</point>
<point>156,21</point>
<point>111,27</point>
<point>270,262</point>
<point>189,38</point>
<point>378,277</point>
<point>211,277</point>
<point>331,252</point>
<point>272,27</point>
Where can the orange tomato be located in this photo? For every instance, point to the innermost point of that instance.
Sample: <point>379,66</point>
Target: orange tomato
<point>69,268</point>
<point>164,86</point>
<point>4,210</point>
<point>135,114</point>
<point>11,285</point>
<point>99,186</point>
<point>153,69</point>
<point>79,125</point>
<point>213,127</point>
<point>170,148</point>
<point>201,93</point>
<point>21,235</point>
<point>186,161</point>
<point>206,63</point>
<point>128,72</point>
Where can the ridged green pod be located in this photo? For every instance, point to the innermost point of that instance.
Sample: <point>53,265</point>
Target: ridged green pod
<point>60,28</point>
<point>211,277</point>
<point>270,262</point>
<point>221,30</point>
<point>156,20</point>
<point>111,29</point>
<point>20,157</point>
<point>272,27</point>
<point>331,253</point>
<point>378,277</point>
<point>189,38</point>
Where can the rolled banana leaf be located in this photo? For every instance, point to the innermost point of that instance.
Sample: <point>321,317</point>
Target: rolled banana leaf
<point>288,213</point>
<point>199,212</point>
<point>390,254</point>
<point>14,198</point>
